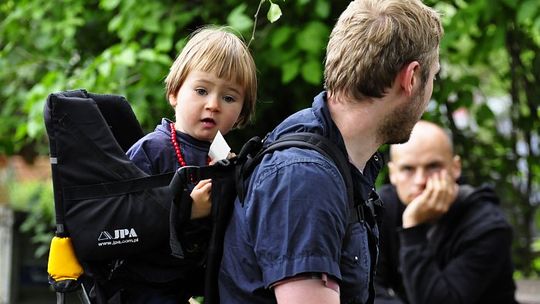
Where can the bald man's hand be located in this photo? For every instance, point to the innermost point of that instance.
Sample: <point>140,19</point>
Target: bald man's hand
<point>440,193</point>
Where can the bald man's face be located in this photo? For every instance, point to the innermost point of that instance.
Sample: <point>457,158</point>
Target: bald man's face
<point>428,151</point>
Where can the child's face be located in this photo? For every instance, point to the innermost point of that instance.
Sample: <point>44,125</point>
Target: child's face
<point>205,104</point>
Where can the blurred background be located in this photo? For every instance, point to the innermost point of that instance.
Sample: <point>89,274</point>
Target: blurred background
<point>487,95</point>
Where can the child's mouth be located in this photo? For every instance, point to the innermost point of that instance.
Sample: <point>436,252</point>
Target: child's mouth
<point>208,122</point>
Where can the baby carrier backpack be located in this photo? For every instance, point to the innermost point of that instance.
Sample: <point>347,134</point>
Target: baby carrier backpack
<point>108,209</point>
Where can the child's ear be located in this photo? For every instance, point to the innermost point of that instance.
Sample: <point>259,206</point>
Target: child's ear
<point>241,120</point>
<point>172,100</point>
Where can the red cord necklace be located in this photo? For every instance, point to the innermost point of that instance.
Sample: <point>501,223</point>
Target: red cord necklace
<point>176,147</point>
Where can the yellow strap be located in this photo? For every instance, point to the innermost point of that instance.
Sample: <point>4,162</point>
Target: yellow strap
<point>63,264</point>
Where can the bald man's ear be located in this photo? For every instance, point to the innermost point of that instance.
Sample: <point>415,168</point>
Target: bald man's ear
<point>456,167</point>
<point>391,172</point>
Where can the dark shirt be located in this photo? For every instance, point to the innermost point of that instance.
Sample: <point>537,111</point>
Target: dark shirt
<point>294,220</point>
<point>464,258</point>
<point>154,153</point>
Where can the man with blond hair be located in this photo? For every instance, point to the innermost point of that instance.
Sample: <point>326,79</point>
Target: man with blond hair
<point>295,238</point>
<point>440,242</point>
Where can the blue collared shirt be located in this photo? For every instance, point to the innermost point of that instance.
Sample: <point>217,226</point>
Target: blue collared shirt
<point>295,219</point>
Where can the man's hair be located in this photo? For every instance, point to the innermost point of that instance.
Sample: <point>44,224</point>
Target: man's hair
<point>374,39</point>
<point>217,50</point>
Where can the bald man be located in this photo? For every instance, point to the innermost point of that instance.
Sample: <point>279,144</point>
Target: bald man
<point>440,242</point>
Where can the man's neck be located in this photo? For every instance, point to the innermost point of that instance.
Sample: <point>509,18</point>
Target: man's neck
<point>357,123</point>
<point>360,150</point>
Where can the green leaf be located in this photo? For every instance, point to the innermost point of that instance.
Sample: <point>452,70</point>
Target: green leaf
<point>152,56</point>
<point>105,68</point>
<point>163,43</point>
<point>535,31</point>
<point>238,20</point>
<point>274,12</point>
<point>290,70</point>
<point>527,11</point>
<point>280,36</point>
<point>33,128</point>
<point>115,23</point>
<point>109,4</point>
<point>127,57</point>
<point>312,71</point>
<point>322,8</point>
<point>313,38</point>
<point>41,250</point>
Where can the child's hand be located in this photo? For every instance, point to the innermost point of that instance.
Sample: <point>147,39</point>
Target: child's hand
<point>202,202</point>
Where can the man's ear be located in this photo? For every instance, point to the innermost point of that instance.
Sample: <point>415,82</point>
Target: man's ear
<point>391,171</point>
<point>407,77</point>
<point>456,167</point>
<point>172,100</point>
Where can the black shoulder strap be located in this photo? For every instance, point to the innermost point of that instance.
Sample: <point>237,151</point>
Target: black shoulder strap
<point>304,140</point>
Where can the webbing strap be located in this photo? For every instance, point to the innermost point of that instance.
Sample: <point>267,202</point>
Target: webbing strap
<point>181,207</point>
<point>313,141</point>
<point>117,187</point>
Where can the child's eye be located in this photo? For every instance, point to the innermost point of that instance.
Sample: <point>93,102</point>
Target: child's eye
<point>201,92</point>
<point>229,99</point>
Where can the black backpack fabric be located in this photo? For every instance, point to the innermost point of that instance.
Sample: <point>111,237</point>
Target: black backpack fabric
<point>112,210</point>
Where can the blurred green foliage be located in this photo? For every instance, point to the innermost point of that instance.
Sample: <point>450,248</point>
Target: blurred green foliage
<point>486,94</point>
<point>35,199</point>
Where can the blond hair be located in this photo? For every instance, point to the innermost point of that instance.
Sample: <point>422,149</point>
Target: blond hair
<point>372,41</point>
<point>217,50</point>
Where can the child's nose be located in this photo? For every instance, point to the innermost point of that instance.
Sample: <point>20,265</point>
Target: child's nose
<point>212,103</point>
